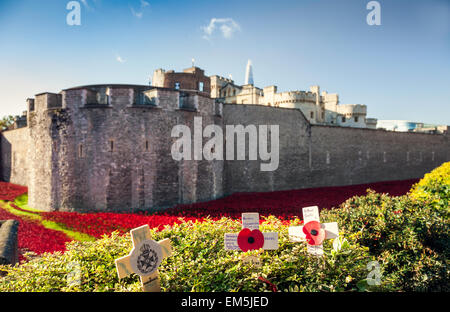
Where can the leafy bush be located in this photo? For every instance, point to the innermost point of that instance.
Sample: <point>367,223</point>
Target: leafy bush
<point>408,235</point>
<point>435,188</point>
<point>199,263</point>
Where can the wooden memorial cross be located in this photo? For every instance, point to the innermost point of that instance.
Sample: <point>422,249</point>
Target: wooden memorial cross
<point>313,231</point>
<point>144,259</point>
<point>251,238</point>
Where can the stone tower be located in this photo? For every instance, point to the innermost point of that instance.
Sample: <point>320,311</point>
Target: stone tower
<point>249,73</point>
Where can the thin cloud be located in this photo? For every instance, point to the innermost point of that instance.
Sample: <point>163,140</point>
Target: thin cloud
<point>227,26</point>
<point>85,3</point>
<point>91,5</point>
<point>119,59</point>
<point>137,14</point>
<point>140,13</point>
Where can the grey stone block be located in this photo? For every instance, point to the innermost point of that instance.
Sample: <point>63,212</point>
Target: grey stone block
<point>8,242</point>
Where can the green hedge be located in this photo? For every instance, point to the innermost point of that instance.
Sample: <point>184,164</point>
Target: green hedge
<point>407,235</point>
<point>435,188</point>
<point>199,263</point>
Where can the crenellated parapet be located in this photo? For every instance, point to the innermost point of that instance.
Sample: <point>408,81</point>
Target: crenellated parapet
<point>118,138</point>
<point>43,102</point>
<point>131,96</point>
<point>350,110</point>
<point>192,79</point>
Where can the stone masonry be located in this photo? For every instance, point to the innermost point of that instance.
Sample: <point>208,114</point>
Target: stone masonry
<point>108,148</point>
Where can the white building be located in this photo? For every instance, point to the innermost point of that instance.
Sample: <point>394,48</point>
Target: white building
<point>410,126</point>
<point>318,108</point>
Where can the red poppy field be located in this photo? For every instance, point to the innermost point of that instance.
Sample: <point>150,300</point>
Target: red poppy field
<point>9,191</point>
<point>34,236</point>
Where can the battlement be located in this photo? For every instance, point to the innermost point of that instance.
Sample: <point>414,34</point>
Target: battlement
<point>192,78</point>
<point>221,79</point>
<point>270,89</point>
<point>44,101</point>
<point>330,97</point>
<point>295,96</point>
<point>315,89</point>
<point>352,109</point>
<point>19,121</point>
<point>371,123</point>
<point>102,96</point>
<point>117,96</point>
<point>194,70</point>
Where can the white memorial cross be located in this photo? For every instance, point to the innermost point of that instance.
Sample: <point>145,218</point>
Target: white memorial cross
<point>144,259</point>
<point>251,238</point>
<point>313,231</point>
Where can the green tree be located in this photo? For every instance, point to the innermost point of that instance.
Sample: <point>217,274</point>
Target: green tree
<point>6,121</point>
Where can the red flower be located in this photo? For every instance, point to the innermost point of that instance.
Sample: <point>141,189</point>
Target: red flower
<point>283,204</point>
<point>250,240</point>
<point>314,233</point>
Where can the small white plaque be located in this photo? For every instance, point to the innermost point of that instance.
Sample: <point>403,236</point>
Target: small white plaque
<point>231,241</point>
<point>310,214</point>
<point>331,230</point>
<point>254,260</point>
<point>250,220</point>
<point>296,234</point>
<point>270,241</point>
<point>315,250</point>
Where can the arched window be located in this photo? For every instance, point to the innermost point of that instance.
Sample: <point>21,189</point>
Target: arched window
<point>312,115</point>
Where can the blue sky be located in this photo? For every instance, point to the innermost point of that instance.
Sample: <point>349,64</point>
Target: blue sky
<point>400,69</point>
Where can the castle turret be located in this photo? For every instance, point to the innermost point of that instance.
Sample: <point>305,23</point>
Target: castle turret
<point>192,79</point>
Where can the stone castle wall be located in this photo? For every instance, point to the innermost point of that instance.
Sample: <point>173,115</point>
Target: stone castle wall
<point>315,156</point>
<point>115,157</point>
<point>369,155</point>
<point>14,156</point>
<point>76,155</point>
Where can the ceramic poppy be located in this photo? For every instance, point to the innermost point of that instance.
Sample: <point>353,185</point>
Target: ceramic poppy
<point>250,240</point>
<point>314,233</point>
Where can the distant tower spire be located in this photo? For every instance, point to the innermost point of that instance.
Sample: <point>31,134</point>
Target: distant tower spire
<point>193,62</point>
<point>249,73</point>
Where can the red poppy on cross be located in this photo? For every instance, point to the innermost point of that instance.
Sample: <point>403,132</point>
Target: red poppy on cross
<point>313,231</point>
<point>250,237</point>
